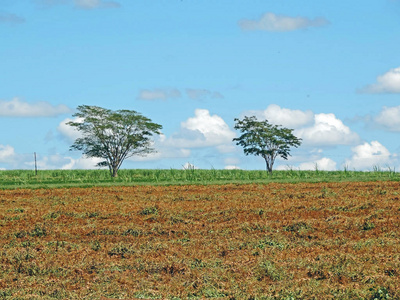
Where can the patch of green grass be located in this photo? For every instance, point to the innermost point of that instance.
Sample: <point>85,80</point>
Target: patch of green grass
<point>267,269</point>
<point>11,179</point>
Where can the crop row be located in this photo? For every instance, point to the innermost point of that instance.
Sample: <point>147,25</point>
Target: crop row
<point>128,177</point>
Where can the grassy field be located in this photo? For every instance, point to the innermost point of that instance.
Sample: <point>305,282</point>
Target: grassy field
<point>335,240</point>
<point>89,178</point>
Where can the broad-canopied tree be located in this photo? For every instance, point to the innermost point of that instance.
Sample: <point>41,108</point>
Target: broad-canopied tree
<point>263,139</point>
<point>113,135</point>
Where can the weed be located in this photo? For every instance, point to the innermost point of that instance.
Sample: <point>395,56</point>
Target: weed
<point>152,210</point>
<point>267,269</point>
<point>380,294</point>
<point>368,225</point>
<point>296,227</point>
<point>121,250</point>
<point>146,295</point>
<point>93,214</point>
<point>96,245</point>
<point>107,231</point>
<point>52,215</point>
<point>16,210</point>
<point>133,232</point>
<point>38,231</point>
<point>198,263</point>
<point>267,242</point>
<point>20,234</point>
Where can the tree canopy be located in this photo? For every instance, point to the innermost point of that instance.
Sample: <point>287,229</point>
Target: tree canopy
<point>263,139</point>
<point>113,135</point>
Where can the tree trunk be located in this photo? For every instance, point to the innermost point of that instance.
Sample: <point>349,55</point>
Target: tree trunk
<point>269,165</point>
<point>113,170</point>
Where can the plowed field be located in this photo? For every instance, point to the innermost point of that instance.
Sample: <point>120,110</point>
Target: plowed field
<point>275,241</point>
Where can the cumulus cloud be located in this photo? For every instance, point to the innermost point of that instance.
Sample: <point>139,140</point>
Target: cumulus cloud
<point>389,118</point>
<point>368,155</point>
<point>327,130</point>
<point>7,153</point>
<point>81,163</point>
<point>11,18</point>
<point>189,166</point>
<point>283,116</point>
<point>388,83</point>
<point>68,132</point>
<point>231,163</point>
<point>273,22</point>
<point>18,108</point>
<point>203,130</point>
<point>323,164</point>
<point>230,167</point>
<point>12,159</point>
<point>158,94</point>
<point>199,94</point>
<point>315,129</point>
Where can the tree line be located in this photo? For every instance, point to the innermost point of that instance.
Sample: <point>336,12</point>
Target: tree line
<point>114,136</point>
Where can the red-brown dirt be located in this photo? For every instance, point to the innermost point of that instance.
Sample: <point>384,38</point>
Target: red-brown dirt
<point>307,241</point>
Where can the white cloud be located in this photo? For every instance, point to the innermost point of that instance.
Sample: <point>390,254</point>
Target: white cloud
<point>273,22</point>
<point>91,4</point>
<point>47,162</point>
<point>231,167</point>
<point>389,118</point>
<point>158,94</point>
<point>314,129</point>
<point>7,153</point>
<point>81,163</point>
<point>203,130</point>
<point>386,83</point>
<point>198,94</point>
<point>67,131</point>
<point>231,163</point>
<point>283,116</point>
<point>57,161</point>
<point>189,166</point>
<point>327,131</point>
<point>323,164</point>
<point>11,18</point>
<point>369,155</point>
<point>15,160</point>
<point>18,108</point>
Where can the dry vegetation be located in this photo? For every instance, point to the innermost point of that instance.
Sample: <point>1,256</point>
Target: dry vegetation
<point>275,241</point>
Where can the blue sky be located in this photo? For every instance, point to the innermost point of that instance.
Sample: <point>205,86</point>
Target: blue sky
<point>330,70</point>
